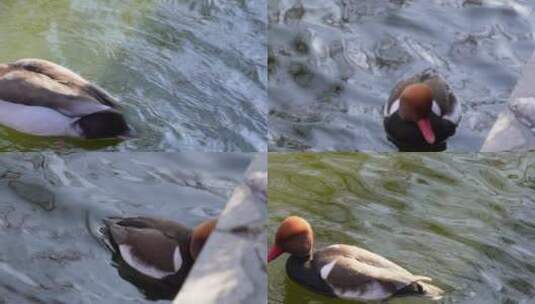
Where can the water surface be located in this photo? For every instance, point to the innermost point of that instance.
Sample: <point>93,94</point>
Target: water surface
<point>51,206</point>
<point>332,64</point>
<point>466,220</point>
<point>190,75</point>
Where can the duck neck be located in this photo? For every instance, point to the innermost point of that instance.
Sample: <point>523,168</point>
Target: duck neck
<point>302,259</point>
<point>406,112</point>
<point>188,248</point>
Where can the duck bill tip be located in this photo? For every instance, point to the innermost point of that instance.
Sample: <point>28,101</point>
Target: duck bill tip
<point>426,129</point>
<point>274,253</point>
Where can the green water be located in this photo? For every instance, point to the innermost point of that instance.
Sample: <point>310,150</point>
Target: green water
<point>188,74</point>
<point>466,220</point>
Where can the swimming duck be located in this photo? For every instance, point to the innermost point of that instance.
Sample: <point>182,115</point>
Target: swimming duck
<point>421,113</point>
<point>42,98</point>
<point>344,271</point>
<point>155,254</point>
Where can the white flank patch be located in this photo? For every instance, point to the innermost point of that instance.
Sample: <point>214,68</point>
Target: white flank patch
<point>141,266</point>
<point>325,270</point>
<point>177,259</point>
<point>453,117</point>
<point>36,120</point>
<point>436,109</point>
<point>372,291</point>
<point>393,108</point>
<point>335,246</point>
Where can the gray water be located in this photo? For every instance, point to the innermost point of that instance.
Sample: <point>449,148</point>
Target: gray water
<point>332,64</point>
<point>190,75</point>
<point>465,220</point>
<point>51,205</point>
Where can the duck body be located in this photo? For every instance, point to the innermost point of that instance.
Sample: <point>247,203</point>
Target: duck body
<point>349,272</point>
<point>443,116</point>
<point>41,98</point>
<point>153,254</point>
<point>344,271</point>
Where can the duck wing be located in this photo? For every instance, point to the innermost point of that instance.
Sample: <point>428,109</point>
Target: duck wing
<point>148,251</point>
<point>23,86</point>
<point>66,77</point>
<point>169,228</point>
<point>355,273</point>
<point>443,95</point>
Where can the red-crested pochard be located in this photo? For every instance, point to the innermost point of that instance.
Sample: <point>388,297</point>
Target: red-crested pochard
<point>41,98</point>
<point>421,113</point>
<point>154,254</point>
<point>344,271</point>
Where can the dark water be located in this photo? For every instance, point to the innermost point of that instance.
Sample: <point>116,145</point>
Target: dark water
<point>332,64</point>
<point>191,75</point>
<point>466,220</point>
<point>47,253</point>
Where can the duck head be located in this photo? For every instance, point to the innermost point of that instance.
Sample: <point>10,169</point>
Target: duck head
<point>103,124</point>
<point>294,236</point>
<point>199,236</point>
<point>416,104</point>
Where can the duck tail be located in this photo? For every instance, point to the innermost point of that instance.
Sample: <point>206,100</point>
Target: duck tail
<point>101,95</point>
<point>99,232</point>
<point>107,236</point>
<point>429,73</point>
<point>419,278</point>
<point>430,291</point>
<point>422,288</point>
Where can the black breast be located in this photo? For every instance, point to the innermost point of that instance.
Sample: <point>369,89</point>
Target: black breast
<point>301,271</point>
<point>408,138</point>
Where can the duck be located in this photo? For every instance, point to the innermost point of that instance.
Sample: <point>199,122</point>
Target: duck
<point>41,98</point>
<point>421,113</point>
<point>344,271</point>
<point>154,254</point>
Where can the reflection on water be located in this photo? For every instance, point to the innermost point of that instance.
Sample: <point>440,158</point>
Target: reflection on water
<point>332,65</point>
<point>47,253</point>
<point>465,220</point>
<point>190,75</point>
